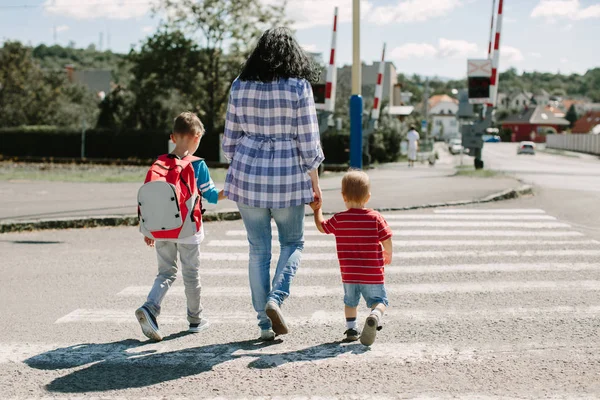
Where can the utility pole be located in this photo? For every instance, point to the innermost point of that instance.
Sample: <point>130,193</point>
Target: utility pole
<point>356,100</point>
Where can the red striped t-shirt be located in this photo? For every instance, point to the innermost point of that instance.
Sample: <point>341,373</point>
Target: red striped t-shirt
<point>358,235</point>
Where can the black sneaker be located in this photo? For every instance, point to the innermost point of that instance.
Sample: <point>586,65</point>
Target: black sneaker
<point>351,335</point>
<point>195,328</point>
<point>148,323</point>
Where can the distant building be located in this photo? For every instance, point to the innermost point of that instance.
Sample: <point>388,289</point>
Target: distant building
<point>533,124</point>
<point>588,123</point>
<point>513,100</point>
<point>443,109</point>
<point>369,75</point>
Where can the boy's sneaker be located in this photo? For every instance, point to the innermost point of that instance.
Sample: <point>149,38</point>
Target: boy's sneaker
<point>148,323</point>
<point>351,335</point>
<point>267,335</point>
<point>370,329</point>
<point>195,328</point>
<point>274,313</point>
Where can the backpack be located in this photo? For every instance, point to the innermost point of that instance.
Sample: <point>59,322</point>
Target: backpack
<point>169,204</point>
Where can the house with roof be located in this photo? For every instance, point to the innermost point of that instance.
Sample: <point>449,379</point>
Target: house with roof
<point>533,124</point>
<point>589,123</point>
<point>513,100</point>
<point>442,109</point>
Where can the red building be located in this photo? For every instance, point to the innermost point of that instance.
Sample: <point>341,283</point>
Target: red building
<point>589,123</point>
<point>533,124</point>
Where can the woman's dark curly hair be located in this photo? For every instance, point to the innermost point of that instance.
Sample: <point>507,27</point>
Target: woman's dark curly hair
<point>279,56</point>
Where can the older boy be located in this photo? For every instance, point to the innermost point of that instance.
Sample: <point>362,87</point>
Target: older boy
<point>187,132</point>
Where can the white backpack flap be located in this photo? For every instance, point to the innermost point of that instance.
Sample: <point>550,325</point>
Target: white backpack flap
<point>159,208</point>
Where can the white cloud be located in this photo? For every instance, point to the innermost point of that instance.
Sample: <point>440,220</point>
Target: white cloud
<point>568,27</point>
<point>413,50</point>
<point>509,55</point>
<point>535,55</point>
<point>148,29</point>
<point>446,48</point>
<point>456,48</point>
<point>62,28</point>
<point>310,13</point>
<point>413,11</point>
<point>113,9</point>
<point>570,9</point>
<point>564,60</point>
<point>311,48</point>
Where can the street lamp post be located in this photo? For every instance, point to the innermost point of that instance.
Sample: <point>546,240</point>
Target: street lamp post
<point>356,100</point>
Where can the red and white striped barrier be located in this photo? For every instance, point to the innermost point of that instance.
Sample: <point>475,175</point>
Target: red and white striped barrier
<point>492,30</point>
<point>378,88</point>
<point>331,70</point>
<point>496,57</point>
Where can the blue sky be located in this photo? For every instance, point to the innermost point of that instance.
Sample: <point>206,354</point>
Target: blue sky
<point>428,37</point>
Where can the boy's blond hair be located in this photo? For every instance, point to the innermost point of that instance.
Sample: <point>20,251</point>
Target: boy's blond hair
<point>356,186</point>
<point>188,123</point>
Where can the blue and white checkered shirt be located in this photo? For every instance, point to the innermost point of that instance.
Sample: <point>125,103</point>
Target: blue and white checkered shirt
<point>272,140</point>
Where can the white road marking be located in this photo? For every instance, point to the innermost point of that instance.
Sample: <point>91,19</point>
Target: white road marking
<point>446,232</point>
<point>419,243</point>
<point>465,217</point>
<point>491,211</point>
<point>468,224</point>
<point>425,269</point>
<point>396,289</point>
<point>332,317</point>
<point>422,254</point>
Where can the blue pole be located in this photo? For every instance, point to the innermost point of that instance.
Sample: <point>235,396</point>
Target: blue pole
<point>356,147</point>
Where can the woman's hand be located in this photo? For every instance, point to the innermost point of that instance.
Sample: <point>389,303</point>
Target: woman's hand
<point>317,194</point>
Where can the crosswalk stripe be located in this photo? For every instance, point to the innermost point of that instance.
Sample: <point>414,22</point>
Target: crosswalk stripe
<point>446,232</point>
<point>468,224</point>
<point>465,217</point>
<point>425,269</point>
<point>283,355</point>
<point>420,254</point>
<point>396,289</point>
<point>420,243</point>
<point>491,211</point>
<point>329,317</point>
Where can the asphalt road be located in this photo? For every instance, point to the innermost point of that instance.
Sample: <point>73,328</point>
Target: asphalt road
<point>490,301</point>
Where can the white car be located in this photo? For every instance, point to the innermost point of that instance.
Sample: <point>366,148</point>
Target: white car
<point>526,148</point>
<point>455,146</point>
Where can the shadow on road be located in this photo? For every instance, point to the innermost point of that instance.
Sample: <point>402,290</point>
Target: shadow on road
<point>134,364</point>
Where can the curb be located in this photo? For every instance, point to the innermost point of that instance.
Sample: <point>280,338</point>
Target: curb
<point>93,222</point>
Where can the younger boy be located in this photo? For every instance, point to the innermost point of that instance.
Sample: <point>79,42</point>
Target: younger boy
<point>187,132</point>
<point>364,246</point>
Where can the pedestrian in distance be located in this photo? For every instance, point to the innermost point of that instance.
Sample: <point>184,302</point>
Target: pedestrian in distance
<point>364,245</point>
<point>413,145</point>
<point>170,211</point>
<point>272,139</point>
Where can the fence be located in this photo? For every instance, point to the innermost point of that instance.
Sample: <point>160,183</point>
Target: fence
<point>583,143</point>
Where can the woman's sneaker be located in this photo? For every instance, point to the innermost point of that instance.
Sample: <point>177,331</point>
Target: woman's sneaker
<point>195,328</point>
<point>370,329</point>
<point>274,313</point>
<point>148,323</point>
<point>351,335</point>
<point>267,335</point>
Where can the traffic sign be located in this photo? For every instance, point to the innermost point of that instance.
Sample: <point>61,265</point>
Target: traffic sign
<point>423,125</point>
<point>479,76</point>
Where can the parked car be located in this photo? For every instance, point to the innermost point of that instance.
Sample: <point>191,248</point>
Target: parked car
<point>526,148</point>
<point>455,146</point>
<point>491,138</point>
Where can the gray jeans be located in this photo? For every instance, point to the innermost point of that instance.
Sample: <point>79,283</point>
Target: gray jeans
<point>189,255</point>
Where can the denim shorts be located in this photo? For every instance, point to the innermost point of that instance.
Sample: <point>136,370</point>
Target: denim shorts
<point>373,294</point>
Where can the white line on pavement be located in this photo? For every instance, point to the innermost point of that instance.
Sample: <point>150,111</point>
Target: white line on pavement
<point>420,243</point>
<point>465,217</point>
<point>422,254</point>
<point>469,224</point>
<point>446,232</point>
<point>396,289</point>
<point>331,317</point>
<point>491,211</point>
<point>425,269</point>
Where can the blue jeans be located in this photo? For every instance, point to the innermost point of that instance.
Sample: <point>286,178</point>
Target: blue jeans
<point>290,225</point>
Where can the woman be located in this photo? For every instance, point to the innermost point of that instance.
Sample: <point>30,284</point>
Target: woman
<point>272,140</point>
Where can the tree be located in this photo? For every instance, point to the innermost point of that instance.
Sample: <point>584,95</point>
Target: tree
<point>226,30</point>
<point>571,115</point>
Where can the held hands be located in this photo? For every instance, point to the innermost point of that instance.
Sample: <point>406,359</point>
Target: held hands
<point>318,198</point>
<point>315,205</point>
<point>387,258</point>
<point>222,195</point>
<point>149,242</point>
